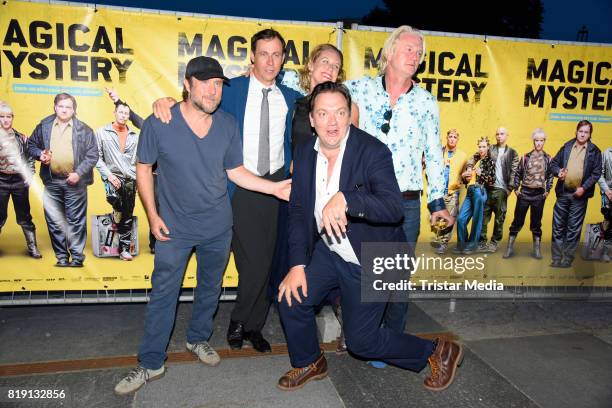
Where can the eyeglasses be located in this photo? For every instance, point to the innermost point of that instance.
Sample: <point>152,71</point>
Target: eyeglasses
<point>386,127</point>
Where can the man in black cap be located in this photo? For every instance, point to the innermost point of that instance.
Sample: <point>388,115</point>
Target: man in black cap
<point>194,212</point>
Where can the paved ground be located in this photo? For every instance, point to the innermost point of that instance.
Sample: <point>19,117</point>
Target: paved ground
<point>518,354</point>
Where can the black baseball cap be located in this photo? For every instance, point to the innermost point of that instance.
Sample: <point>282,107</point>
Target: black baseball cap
<point>204,68</point>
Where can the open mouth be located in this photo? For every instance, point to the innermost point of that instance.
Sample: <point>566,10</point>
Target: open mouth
<point>332,133</point>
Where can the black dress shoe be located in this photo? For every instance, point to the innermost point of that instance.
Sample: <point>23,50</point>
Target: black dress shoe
<point>235,334</point>
<point>62,263</point>
<point>257,341</point>
<point>76,264</point>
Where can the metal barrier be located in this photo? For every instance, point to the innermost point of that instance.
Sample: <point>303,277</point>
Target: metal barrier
<point>514,293</point>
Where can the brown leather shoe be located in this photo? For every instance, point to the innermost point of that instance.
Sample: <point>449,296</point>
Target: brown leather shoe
<point>296,378</point>
<point>444,361</point>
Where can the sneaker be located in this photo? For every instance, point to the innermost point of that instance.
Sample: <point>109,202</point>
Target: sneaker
<point>137,378</point>
<point>470,249</point>
<point>205,353</point>
<point>377,364</point>
<point>441,250</point>
<point>483,247</point>
<point>457,250</point>
<point>125,256</point>
<point>492,247</point>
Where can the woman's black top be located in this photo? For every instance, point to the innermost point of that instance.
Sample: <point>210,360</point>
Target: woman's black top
<point>301,130</point>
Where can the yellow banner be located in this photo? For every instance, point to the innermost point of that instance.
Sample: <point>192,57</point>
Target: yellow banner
<point>479,84</point>
<point>47,49</point>
<point>483,84</point>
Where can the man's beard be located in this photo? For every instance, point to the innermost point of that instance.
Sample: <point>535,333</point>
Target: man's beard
<point>199,106</point>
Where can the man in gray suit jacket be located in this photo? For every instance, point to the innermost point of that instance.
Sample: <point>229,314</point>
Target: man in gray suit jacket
<point>67,150</point>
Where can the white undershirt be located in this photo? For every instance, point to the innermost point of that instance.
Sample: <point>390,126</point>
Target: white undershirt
<point>499,169</point>
<point>252,114</point>
<point>325,191</point>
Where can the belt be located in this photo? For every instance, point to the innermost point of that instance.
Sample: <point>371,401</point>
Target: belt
<point>411,194</point>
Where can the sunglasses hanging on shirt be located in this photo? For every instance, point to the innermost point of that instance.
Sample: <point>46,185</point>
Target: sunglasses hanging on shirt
<point>386,127</point>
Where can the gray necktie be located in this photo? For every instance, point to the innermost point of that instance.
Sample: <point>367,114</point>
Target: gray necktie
<point>263,156</point>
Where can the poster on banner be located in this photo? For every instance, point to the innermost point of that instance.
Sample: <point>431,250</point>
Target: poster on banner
<point>52,48</point>
<point>484,83</point>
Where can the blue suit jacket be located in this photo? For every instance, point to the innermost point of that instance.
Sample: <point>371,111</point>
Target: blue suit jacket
<point>234,102</point>
<point>369,185</point>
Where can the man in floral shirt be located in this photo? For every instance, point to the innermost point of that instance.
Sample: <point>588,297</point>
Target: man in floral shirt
<point>404,116</point>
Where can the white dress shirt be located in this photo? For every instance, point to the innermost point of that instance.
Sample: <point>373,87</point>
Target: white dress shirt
<point>499,168</point>
<point>252,115</point>
<point>325,191</point>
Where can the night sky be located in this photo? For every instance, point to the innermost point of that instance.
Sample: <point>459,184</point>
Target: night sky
<point>562,18</point>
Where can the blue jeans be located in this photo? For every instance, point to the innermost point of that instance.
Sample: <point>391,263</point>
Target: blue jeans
<point>472,208</point>
<point>170,262</point>
<point>361,320</point>
<point>396,312</point>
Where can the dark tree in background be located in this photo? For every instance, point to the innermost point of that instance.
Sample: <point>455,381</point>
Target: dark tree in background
<point>518,18</point>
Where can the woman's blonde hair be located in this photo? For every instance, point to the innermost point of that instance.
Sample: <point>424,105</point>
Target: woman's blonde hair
<point>305,73</point>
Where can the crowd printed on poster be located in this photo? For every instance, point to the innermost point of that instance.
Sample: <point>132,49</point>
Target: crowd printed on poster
<point>47,48</point>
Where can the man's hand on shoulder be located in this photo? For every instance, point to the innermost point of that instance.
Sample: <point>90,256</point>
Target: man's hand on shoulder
<point>161,108</point>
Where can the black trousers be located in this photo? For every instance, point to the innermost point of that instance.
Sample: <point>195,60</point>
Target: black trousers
<point>255,219</point>
<point>530,197</point>
<point>606,210</point>
<point>123,200</point>
<point>568,216</point>
<point>66,215</point>
<point>13,186</point>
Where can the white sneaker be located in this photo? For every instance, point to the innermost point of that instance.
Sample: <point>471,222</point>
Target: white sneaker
<point>125,256</point>
<point>137,378</point>
<point>205,353</point>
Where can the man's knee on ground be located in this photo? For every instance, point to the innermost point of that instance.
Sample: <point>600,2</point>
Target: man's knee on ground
<point>362,344</point>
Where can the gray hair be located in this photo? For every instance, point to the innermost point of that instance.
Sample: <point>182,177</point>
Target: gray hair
<point>6,108</point>
<point>538,131</point>
<point>389,45</point>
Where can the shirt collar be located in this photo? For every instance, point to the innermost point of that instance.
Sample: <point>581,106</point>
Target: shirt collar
<point>56,122</point>
<point>384,85</point>
<point>578,147</point>
<point>255,84</point>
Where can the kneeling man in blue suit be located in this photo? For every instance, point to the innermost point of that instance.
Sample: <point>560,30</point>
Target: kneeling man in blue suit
<point>344,192</point>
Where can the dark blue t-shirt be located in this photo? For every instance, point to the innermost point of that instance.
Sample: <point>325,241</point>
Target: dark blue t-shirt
<point>192,178</point>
